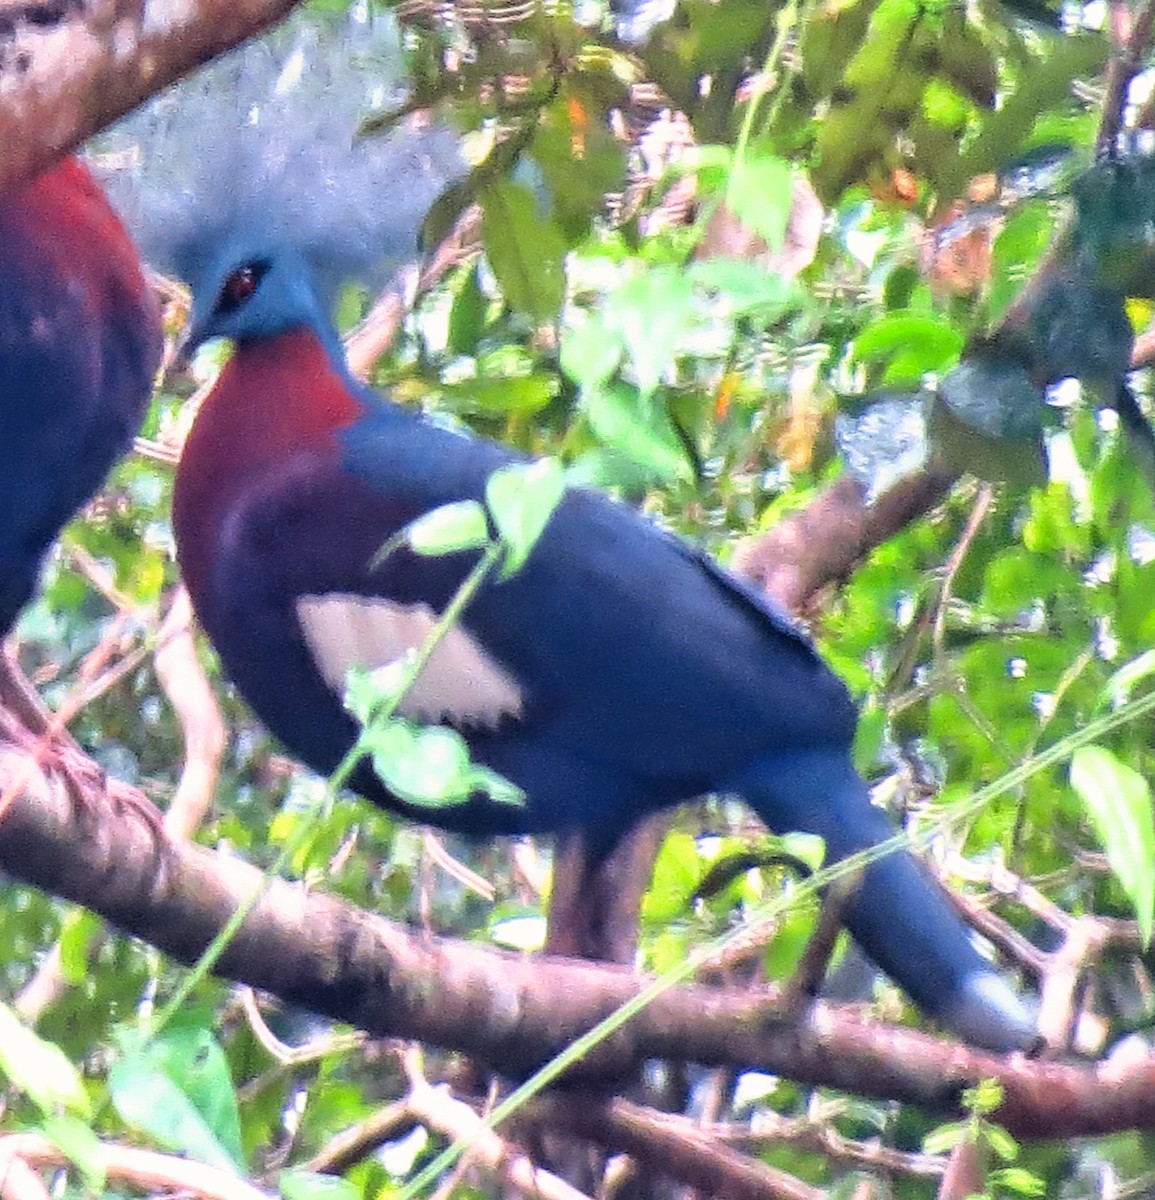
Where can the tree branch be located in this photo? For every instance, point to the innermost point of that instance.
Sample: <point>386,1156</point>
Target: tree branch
<point>68,68</point>
<point>668,1145</point>
<point>87,839</point>
<point>128,1165</point>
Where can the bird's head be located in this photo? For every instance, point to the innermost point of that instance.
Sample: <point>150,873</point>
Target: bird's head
<point>252,288</point>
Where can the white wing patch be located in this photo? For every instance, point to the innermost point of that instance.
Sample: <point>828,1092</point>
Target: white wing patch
<point>459,685</point>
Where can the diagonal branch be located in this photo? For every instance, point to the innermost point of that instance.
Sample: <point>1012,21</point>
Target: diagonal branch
<point>79,836</point>
<point>68,68</point>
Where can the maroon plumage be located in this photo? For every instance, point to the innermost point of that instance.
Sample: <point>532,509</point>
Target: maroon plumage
<point>80,343</point>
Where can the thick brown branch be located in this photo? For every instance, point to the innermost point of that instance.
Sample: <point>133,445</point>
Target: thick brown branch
<point>670,1145</point>
<point>824,542</point>
<point>68,68</point>
<point>97,848</point>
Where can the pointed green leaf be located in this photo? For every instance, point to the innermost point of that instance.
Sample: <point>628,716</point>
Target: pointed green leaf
<point>500,394</point>
<point>39,1068</point>
<point>76,938</point>
<point>1118,801</point>
<point>423,766</point>
<point>149,1099</point>
<point>652,312</point>
<point>522,498</point>
<point>641,431</point>
<point>76,1140</point>
<point>1117,689</point>
<point>450,528</point>
<point>525,250</point>
<point>499,789</point>
<point>910,343</point>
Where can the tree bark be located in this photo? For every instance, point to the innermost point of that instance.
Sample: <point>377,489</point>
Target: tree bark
<point>71,832</point>
<point>68,68</point>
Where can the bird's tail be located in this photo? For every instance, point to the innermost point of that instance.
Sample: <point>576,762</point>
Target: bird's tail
<point>898,914</point>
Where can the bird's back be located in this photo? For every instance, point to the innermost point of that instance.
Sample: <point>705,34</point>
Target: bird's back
<point>80,343</point>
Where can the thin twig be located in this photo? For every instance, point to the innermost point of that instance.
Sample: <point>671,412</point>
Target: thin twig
<point>143,1169</point>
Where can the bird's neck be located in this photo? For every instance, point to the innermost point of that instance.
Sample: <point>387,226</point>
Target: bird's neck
<point>274,396</point>
<point>277,397</point>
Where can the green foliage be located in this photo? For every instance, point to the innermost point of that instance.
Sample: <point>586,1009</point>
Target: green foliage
<point>177,1087</point>
<point>991,1141</point>
<point>1118,801</point>
<point>39,1068</point>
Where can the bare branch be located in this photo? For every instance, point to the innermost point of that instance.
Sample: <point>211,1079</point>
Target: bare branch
<point>88,839</point>
<point>143,1169</point>
<point>188,690</point>
<point>454,1120</point>
<point>821,544</point>
<point>68,68</point>
<point>669,1145</point>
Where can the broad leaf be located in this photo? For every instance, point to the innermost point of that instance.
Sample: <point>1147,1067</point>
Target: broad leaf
<point>1118,801</point>
<point>39,1068</point>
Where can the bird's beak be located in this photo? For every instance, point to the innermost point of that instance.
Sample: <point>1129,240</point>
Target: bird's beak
<point>186,347</point>
<point>189,343</point>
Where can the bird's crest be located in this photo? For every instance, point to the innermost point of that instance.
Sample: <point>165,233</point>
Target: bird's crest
<point>262,147</point>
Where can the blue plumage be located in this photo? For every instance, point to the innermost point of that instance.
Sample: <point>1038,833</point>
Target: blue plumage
<point>80,342</point>
<point>617,673</point>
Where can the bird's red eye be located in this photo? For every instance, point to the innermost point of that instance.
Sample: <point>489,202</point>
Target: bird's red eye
<point>239,285</point>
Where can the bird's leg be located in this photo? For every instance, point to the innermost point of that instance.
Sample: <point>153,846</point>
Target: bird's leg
<point>20,698</point>
<point>597,898</point>
<point>595,904</point>
<point>806,983</point>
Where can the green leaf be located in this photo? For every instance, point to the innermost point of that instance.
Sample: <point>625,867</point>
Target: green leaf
<point>590,351</point>
<point>148,1098</point>
<point>642,431</point>
<point>1018,1180</point>
<point>367,691</point>
<point>910,343</point>
<point>76,1140</point>
<point>1117,689</point>
<point>423,766</point>
<point>791,937</point>
<point>430,766</point>
<point>499,789</point>
<point>1118,801</point>
<point>190,1054</point>
<point>450,528</point>
<point>1002,1145</point>
<point>944,1138</point>
<point>467,316</point>
<point>309,1185</point>
<point>677,871</point>
<point>38,1068</point>
<point>526,251</point>
<point>652,312</point>
<point>522,498</point>
<point>498,395</point>
<point>76,939</point>
<point>760,194</point>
